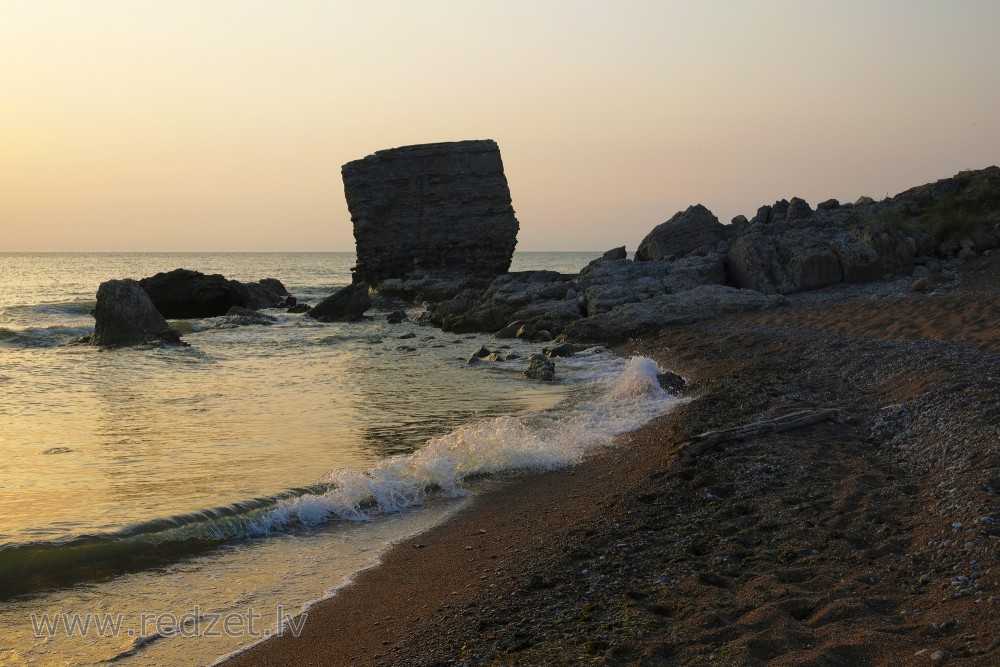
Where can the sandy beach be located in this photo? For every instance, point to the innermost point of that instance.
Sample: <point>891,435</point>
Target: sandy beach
<point>866,540</point>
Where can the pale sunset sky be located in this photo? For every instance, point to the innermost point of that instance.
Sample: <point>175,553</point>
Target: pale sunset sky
<point>202,125</point>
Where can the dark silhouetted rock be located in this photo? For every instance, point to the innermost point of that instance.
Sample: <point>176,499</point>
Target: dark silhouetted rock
<point>695,231</point>
<point>126,316</point>
<point>828,205</point>
<point>671,382</point>
<point>299,308</point>
<point>514,328</point>
<point>431,210</point>
<point>798,209</point>
<point>395,317</point>
<point>615,253</point>
<point>763,216</point>
<point>779,210</point>
<point>347,303</point>
<point>183,294</point>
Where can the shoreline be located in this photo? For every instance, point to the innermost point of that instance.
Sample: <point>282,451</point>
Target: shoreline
<point>825,544</point>
<point>451,563</point>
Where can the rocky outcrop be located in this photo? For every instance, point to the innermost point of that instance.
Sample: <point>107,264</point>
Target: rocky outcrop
<point>431,211</point>
<point>546,299</point>
<point>610,284</point>
<point>347,303</point>
<point>183,294</point>
<point>692,268</point>
<point>126,316</point>
<point>634,319</point>
<point>695,231</point>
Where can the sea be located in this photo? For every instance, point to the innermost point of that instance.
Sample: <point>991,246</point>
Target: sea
<point>174,506</point>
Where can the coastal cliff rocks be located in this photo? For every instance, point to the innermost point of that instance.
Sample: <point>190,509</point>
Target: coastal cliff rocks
<point>545,298</point>
<point>430,211</point>
<point>692,267</point>
<point>184,294</point>
<point>634,319</point>
<point>125,316</point>
<point>695,231</point>
<point>347,303</point>
<point>609,284</point>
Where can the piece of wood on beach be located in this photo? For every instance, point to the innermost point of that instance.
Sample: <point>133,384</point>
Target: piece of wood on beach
<point>703,441</point>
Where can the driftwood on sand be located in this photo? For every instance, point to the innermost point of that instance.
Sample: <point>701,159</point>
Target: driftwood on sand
<point>699,443</point>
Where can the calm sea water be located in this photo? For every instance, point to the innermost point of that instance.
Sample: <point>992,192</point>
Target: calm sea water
<point>259,468</point>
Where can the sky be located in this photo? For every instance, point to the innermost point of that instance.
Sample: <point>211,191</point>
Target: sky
<point>221,125</point>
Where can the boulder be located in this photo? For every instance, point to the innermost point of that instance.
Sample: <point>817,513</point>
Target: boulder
<point>671,382</point>
<point>183,294</point>
<point>126,316</point>
<point>560,350</point>
<point>347,303</point>
<point>431,210</point>
<point>299,308</point>
<point>828,205</point>
<point>798,209</point>
<point>513,329</point>
<point>694,231</point>
<point>541,368</point>
<point>615,253</point>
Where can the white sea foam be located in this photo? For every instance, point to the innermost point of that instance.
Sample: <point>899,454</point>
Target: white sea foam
<point>622,402</point>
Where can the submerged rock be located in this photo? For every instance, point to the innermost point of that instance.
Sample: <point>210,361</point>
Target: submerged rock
<point>540,367</point>
<point>184,294</point>
<point>126,316</point>
<point>237,316</point>
<point>431,210</point>
<point>347,303</point>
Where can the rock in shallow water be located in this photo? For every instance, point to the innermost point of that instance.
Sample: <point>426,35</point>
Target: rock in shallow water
<point>241,317</point>
<point>184,294</point>
<point>540,367</point>
<point>126,316</point>
<point>347,303</point>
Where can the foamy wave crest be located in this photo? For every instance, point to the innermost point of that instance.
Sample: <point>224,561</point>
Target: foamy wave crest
<point>639,380</point>
<point>487,447</point>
